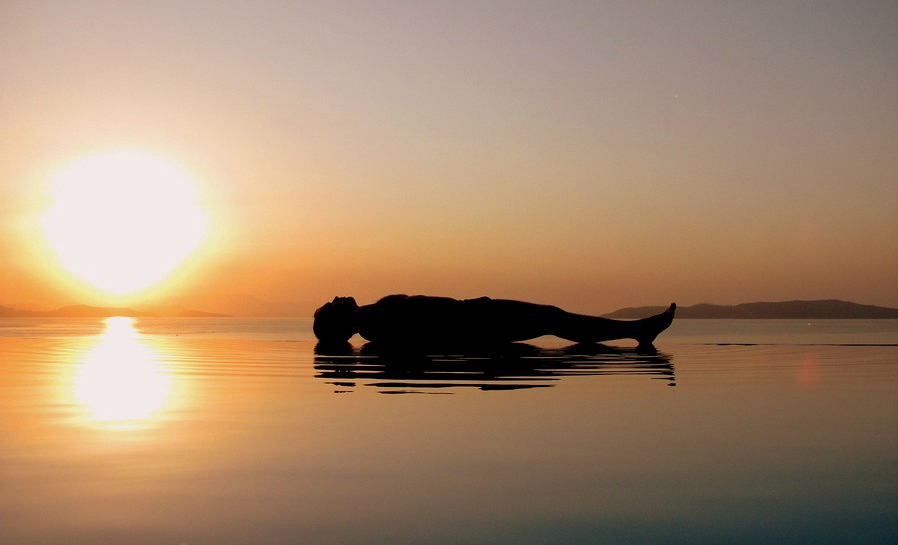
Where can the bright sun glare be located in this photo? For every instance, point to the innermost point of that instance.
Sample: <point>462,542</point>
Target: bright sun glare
<point>123,221</point>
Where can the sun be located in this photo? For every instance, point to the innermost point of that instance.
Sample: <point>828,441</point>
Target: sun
<point>123,221</point>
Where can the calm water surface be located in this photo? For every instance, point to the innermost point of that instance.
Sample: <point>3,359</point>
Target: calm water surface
<point>232,431</point>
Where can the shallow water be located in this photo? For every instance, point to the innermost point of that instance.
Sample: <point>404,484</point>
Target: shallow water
<point>231,431</point>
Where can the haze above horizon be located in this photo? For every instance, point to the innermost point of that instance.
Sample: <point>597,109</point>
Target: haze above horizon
<point>594,156</point>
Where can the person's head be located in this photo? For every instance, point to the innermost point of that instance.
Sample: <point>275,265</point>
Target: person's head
<point>335,321</point>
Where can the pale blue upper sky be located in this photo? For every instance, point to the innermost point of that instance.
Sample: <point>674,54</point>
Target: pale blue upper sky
<point>588,154</point>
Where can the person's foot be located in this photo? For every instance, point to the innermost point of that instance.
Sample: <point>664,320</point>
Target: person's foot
<point>652,326</point>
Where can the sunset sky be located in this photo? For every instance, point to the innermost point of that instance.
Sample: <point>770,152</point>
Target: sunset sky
<point>592,155</point>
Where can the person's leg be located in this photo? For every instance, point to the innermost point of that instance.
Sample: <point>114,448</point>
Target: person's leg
<point>507,320</point>
<point>583,328</point>
<point>504,320</point>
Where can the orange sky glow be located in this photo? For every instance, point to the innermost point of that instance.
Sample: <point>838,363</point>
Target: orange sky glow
<point>590,155</point>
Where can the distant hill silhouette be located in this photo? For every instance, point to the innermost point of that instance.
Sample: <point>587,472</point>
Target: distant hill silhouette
<point>87,311</point>
<point>801,310</point>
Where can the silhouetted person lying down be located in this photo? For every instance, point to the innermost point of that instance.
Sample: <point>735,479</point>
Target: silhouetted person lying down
<point>424,320</point>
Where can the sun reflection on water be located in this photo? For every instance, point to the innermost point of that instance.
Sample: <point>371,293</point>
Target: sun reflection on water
<point>121,383</point>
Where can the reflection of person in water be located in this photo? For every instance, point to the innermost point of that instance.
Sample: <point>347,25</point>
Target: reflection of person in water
<point>509,366</point>
<point>419,319</point>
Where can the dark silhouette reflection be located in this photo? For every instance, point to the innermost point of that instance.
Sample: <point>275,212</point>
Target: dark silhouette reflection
<point>512,366</point>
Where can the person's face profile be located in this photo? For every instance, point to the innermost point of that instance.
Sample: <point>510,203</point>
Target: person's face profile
<point>344,303</point>
<point>334,321</point>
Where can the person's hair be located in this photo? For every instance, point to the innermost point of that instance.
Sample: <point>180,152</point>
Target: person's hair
<point>334,322</point>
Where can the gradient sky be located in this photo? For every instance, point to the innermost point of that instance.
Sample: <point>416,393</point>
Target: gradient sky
<point>593,155</point>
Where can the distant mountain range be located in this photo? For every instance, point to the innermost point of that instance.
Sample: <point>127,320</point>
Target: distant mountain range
<point>86,311</point>
<point>800,310</point>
